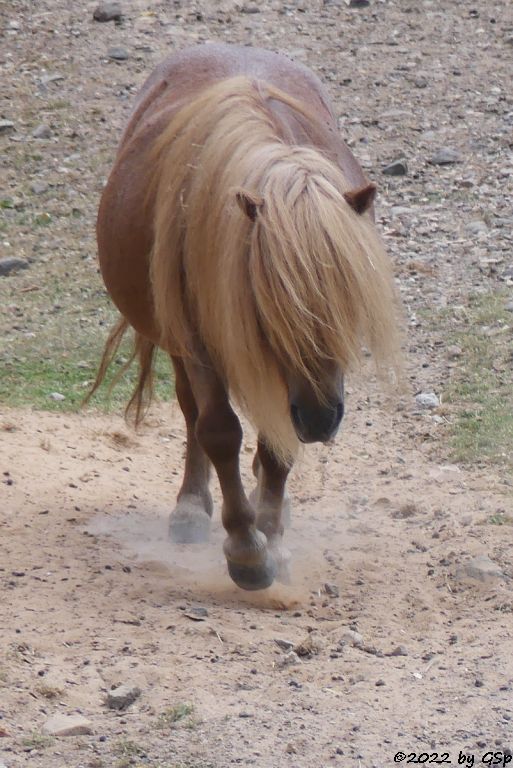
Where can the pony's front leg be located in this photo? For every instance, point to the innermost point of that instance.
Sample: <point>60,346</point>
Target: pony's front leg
<point>219,433</point>
<point>189,522</point>
<point>272,503</point>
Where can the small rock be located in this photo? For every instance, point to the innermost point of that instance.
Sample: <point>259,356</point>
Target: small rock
<point>446,156</point>
<point>480,568</point>
<point>399,651</point>
<point>11,264</point>
<point>427,400</point>
<point>351,637</point>
<point>42,132</point>
<point>38,187</point>
<point>6,126</point>
<point>396,168</point>
<point>509,306</point>
<point>476,227</point>
<point>288,660</point>
<point>380,682</point>
<point>359,3</point>
<point>107,12</point>
<point>197,613</point>
<point>454,352</point>
<point>68,725</point>
<point>332,590</point>
<point>56,396</point>
<point>122,696</point>
<point>55,77</point>
<point>285,645</point>
<point>250,8</point>
<point>118,54</point>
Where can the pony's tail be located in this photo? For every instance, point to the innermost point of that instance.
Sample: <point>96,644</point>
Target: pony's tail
<point>144,351</point>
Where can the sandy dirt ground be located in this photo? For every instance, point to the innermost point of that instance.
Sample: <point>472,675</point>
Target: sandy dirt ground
<point>396,633</point>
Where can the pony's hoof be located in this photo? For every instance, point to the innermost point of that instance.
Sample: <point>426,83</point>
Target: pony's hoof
<point>253,577</point>
<point>189,523</point>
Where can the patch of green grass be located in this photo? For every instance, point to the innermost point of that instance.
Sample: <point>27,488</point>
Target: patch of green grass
<point>127,751</point>
<point>500,518</point>
<point>173,715</point>
<point>62,355</point>
<point>58,104</point>
<point>37,741</point>
<point>480,388</point>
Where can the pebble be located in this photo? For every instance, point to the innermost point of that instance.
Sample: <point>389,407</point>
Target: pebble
<point>509,306</point>
<point>427,400</point>
<point>285,645</point>
<point>6,125</point>
<point>42,132</point>
<point>107,12</point>
<point>396,168</point>
<point>55,77</point>
<point>122,696</point>
<point>332,590</point>
<point>197,613</point>
<point>446,156</point>
<point>476,227</point>
<point>288,660</point>
<point>68,725</point>
<point>359,3</point>
<point>399,651</point>
<point>38,187</point>
<point>454,352</point>
<point>351,637</point>
<point>480,568</point>
<point>250,8</point>
<point>118,54</point>
<point>12,264</point>
<point>56,396</point>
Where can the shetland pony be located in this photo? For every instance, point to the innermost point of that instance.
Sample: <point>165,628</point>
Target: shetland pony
<point>236,233</point>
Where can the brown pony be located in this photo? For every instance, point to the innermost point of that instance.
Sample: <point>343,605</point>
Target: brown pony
<point>235,232</point>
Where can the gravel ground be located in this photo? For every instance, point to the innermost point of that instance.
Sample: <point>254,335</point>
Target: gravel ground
<point>401,600</point>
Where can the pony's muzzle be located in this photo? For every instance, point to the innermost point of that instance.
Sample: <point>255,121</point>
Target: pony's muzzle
<point>316,424</point>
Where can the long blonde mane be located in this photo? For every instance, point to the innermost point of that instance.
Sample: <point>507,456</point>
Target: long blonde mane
<point>307,281</point>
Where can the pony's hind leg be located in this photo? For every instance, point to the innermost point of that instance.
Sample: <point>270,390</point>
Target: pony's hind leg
<point>190,520</point>
<point>250,564</point>
<point>272,503</point>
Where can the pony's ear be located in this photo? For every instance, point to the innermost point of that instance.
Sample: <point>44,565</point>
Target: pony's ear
<point>361,199</point>
<point>249,203</point>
